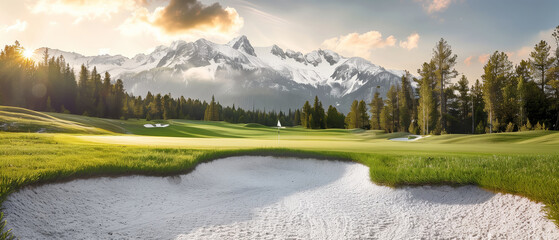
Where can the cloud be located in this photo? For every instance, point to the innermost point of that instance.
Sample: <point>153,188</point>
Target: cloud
<point>483,58</point>
<point>82,9</point>
<point>411,42</point>
<point>19,26</point>
<point>524,52</point>
<point>184,19</point>
<point>355,44</point>
<point>185,15</point>
<point>433,6</point>
<point>468,61</point>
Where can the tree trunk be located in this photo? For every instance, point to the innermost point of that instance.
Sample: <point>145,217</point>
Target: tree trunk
<point>442,105</point>
<point>543,81</point>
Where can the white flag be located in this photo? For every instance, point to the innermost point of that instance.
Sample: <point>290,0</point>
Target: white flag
<point>279,124</point>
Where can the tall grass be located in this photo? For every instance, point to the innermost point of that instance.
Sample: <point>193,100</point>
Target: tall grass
<point>5,233</point>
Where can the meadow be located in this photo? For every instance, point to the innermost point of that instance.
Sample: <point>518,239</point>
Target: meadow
<point>71,146</point>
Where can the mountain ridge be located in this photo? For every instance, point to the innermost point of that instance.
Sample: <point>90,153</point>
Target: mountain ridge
<point>238,73</point>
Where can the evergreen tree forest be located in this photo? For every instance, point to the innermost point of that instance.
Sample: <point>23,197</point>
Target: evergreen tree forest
<point>438,100</point>
<point>52,86</point>
<point>507,98</point>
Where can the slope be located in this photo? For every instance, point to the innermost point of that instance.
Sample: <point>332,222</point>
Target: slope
<point>15,119</point>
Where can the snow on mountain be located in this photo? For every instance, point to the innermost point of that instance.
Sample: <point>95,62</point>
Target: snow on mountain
<point>239,73</point>
<point>243,45</point>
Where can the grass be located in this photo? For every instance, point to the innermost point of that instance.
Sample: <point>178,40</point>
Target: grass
<point>525,163</point>
<point>14,119</point>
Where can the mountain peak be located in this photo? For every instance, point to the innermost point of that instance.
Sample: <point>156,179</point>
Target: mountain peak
<point>276,50</point>
<point>242,44</point>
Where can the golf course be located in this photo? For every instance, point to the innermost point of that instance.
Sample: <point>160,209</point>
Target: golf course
<point>38,148</point>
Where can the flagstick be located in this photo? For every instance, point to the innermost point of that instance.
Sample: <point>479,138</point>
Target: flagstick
<point>279,126</point>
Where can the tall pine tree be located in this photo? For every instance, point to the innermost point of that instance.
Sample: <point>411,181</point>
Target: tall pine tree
<point>444,62</point>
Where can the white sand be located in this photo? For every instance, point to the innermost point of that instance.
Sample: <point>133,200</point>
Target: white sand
<point>269,198</point>
<point>157,125</point>
<point>406,139</point>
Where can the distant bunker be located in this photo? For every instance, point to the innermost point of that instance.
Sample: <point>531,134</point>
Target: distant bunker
<point>267,197</point>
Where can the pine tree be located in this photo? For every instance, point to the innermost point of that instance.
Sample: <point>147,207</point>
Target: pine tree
<point>334,119</point>
<point>405,103</point>
<point>352,118</point>
<point>444,62</point>
<point>119,96</point>
<point>523,76</point>
<point>306,114</point>
<point>510,127</point>
<point>553,77</point>
<point>541,62</point>
<point>212,112</point>
<point>319,120</point>
<point>376,106</point>
<point>521,100</point>
<point>166,107</point>
<point>391,105</point>
<point>297,118</point>
<point>479,116</point>
<point>427,113</point>
<point>497,72</point>
<point>83,90</point>
<point>464,103</point>
<point>94,89</point>
<point>386,119</point>
<point>70,89</point>
<point>107,96</point>
<point>363,116</point>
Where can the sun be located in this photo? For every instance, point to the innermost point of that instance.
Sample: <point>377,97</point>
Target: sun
<point>28,53</point>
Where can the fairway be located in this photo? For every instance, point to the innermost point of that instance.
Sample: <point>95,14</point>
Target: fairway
<point>524,163</point>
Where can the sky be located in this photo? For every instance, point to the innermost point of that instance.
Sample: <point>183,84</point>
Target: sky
<point>398,34</point>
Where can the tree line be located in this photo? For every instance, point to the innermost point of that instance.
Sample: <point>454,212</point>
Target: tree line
<point>52,86</point>
<point>508,98</point>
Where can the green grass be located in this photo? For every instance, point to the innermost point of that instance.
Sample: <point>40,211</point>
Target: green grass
<point>14,119</point>
<point>525,163</point>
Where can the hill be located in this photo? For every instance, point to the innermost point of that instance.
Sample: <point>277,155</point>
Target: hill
<point>14,119</point>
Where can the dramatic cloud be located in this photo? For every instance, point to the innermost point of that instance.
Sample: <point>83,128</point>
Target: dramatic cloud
<point>433,6</point>
<point>355,44</point>
<point>81,9</point>
<point>411,42</point>
<point>468,60</point>
<point>185,15</point>
<point>483,58</point>
<point>19,26</point>
<point>184,19</point>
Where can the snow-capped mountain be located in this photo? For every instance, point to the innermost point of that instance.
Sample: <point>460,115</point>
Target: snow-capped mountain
<point>238,73</point>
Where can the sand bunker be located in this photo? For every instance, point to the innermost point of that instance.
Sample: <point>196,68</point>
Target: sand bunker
<point>269,198</point>
<point>157,125</point>
<point>409,138</point>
